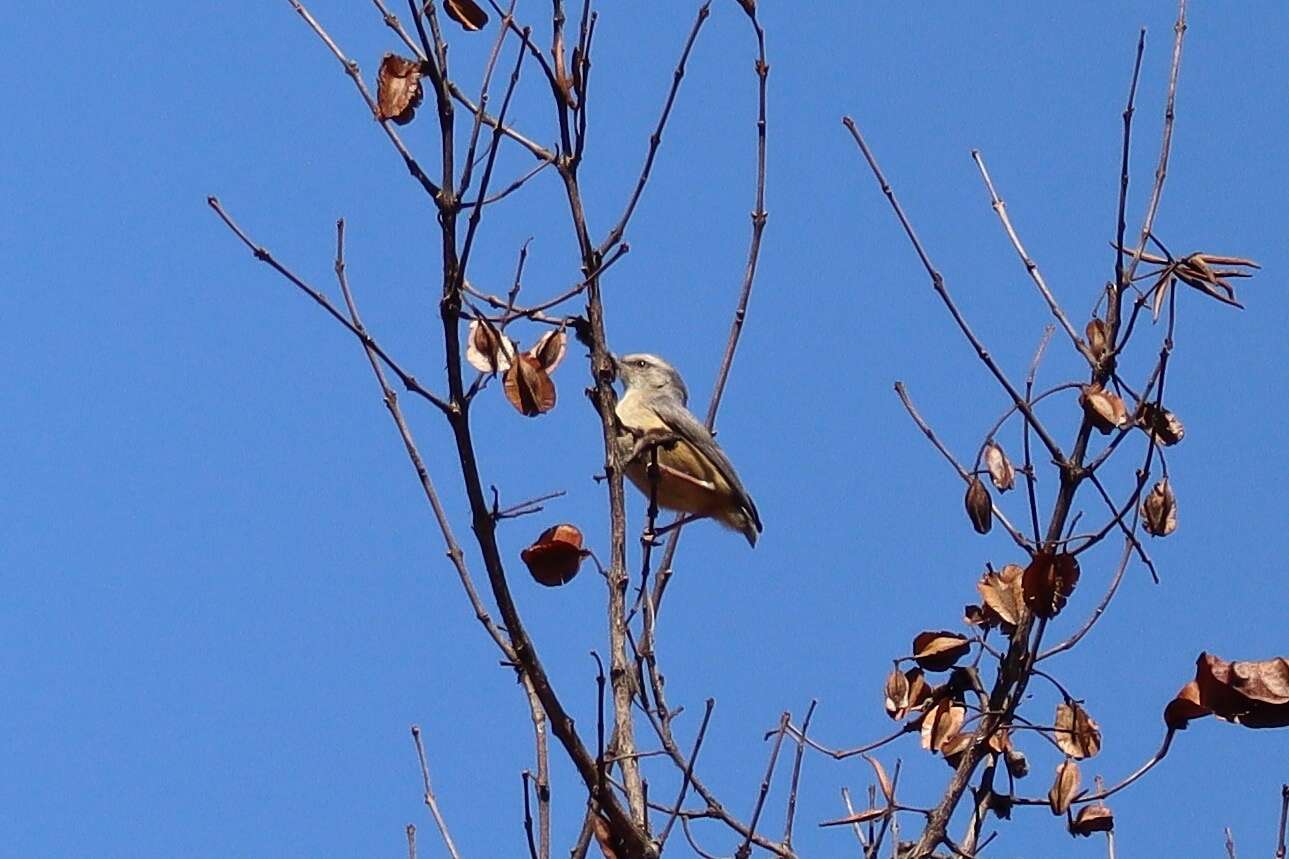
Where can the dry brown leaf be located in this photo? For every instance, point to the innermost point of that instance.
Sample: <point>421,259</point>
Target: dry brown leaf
<point>1004,595</point>
<point>1159,510</point>
<point>528,387</point>
<point>938,651</point>
<point>398,88</point>
<point>1165,425</point>
<point>467,13</point>
<point>980,507</point>
<point>1104,408</point>
<point>487,349</point>
<point>906,691</point>
<point>1064,787</point>
<point>1048,581</point>
<point>883,780</point>
<point>549,349</point>
<point>554,558</point>
<point>941,722</point>
<point>1097,340</point>
<point>1253,694</point>
<point>858,817</point>
<point>1092,818</point>
<point>1000,467</point>
<point>1184,707</point>
<point>1076,732</point>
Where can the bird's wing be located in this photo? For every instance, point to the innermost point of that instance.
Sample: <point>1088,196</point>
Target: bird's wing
<point>681,422</point>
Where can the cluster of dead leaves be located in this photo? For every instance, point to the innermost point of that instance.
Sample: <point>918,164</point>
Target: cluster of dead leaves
<point>1253,694</point>
<point>555,556</point>
<point>526,375</point>
<point>1209,273</point>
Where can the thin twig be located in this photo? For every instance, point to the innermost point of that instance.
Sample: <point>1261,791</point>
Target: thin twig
<point>1030,266</point>
<point>1098,611</point>
<point>745,849</point>
<point>1161,170</point>
<point>688,773</point>
<point>1016,535</point>
<point>430,799</point>
<point>796,775</point>
<point>1284,818</point>
<point>263,255</point>
<point>759,218</point>
<point>937,283</point>
<point>655,139</point>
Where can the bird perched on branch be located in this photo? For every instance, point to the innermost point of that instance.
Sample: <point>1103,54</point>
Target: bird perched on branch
<point>694,475</point>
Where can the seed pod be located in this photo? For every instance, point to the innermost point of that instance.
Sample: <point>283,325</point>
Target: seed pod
<point>979,506</point>
<point>556,555</point>
<point>487,349</point>
<point>1000,468</point>
<point>398,88</point>
<point>1160,421</point>
<point>1159,510</point>
<point>1092,818</point>
<point>1064,787</point>
<point>1097,340</point>
<point>1105,409</point>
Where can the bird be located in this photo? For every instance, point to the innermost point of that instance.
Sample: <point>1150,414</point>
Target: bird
<point>694,475</point>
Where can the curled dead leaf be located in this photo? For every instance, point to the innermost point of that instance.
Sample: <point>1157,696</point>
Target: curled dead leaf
<point>555,557</point>
<point>1004,595</point>
<point>467,13</point>
<point>528,387</point>
<point>938,651</point>
<point>883,780</point>
<point>1183,708</point>
<point>1096,817</point>
<point>487,349</point>
<point>1000,468</point>
<point>980,508</point>
<point>549,349</point>
<point>1253,694</point>
<point>941,722</point>
<point>1165,425</point>
<point>1064,787</point>
<point>1098,341</point>
<point>1104,408</point>
<point>906,691</point>
<point>398,88</point>
<point>1159,510</point>
<point>1048,581</point>
<point>1076,732</point>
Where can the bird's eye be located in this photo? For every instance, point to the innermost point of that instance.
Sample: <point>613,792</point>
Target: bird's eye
<point>642,364</point>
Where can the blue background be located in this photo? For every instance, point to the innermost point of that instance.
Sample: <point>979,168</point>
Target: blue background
<point>225,599</point>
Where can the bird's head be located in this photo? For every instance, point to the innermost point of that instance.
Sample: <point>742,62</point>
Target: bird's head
<point>649,374</point>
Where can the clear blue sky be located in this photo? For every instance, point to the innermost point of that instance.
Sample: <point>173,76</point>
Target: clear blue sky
<point>225,600</point>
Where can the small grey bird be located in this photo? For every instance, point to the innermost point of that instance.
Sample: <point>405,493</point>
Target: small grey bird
<point>695,476</point>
